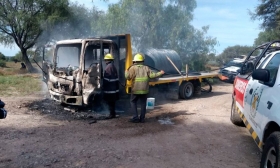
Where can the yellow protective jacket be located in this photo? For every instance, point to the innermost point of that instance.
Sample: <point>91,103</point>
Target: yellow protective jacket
<point>140,75</point>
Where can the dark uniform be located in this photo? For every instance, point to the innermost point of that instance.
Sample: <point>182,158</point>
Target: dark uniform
<point>140,75</point>
<point>111,87</point>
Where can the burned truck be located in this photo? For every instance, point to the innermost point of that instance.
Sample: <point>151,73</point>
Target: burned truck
<point>74,75</point>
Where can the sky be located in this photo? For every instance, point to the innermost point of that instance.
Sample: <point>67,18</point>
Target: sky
<point>229,21</point>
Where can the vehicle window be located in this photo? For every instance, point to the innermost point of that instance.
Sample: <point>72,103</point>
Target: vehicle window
<point>232,63</point>
<point>263,61</point>
<point>248,66</point>
<point>68,55</point>
<point>273,66</point>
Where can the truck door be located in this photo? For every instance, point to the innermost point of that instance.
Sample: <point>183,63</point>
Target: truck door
<point>123,42</point>
<point>46,63</point>
<point>251,103</point>
<point>261,98</point>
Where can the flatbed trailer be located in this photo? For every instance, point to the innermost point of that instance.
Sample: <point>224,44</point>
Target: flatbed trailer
<point>186,85</point>
<point>183,78</point>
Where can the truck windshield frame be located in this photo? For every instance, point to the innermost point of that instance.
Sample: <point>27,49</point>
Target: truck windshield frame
<point>67,55</point>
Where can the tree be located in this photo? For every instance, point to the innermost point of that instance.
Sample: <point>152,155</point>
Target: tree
<point>77,25</point>
<point>233,52</point>
<point>162,24</point>
<point>23,21</point>
<point>17,57</point>
<point>265,36</point>
<point>2,56</point>
<point>269,12</point>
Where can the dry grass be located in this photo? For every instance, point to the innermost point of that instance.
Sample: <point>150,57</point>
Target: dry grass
<point>18,82</point>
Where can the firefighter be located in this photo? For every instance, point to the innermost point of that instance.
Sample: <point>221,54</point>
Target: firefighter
<point>139,74</point>
<point>110,85</point>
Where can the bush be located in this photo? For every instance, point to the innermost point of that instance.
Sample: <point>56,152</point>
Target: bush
<point>2,63</point>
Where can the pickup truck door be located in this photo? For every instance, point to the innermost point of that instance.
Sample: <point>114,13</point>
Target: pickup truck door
<point>262,99</point>
<point>251,102</point>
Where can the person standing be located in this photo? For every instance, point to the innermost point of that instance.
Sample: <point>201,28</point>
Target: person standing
<point>3,112</point>
<point>110,85</point>
<point>139,74</point>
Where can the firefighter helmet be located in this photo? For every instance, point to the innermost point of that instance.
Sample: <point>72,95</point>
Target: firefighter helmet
<point>138,57</point>
<point>108,57</point>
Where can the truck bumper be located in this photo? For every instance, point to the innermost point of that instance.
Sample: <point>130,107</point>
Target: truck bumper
<point>66,99</point>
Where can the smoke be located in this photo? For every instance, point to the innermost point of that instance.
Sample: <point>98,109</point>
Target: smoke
<point>77,25</point>
<point>44,88</point>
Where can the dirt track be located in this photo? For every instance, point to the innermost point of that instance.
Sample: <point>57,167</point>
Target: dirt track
<point>191,133</point>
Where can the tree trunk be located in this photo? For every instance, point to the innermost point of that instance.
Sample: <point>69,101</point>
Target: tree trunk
<point>28,64</point>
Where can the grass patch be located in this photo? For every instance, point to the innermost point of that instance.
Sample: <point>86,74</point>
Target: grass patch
<point>18,82</point>
<point>20,85</point>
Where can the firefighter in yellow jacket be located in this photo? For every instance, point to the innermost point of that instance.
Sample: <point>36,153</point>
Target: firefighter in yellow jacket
<point>139,74</point>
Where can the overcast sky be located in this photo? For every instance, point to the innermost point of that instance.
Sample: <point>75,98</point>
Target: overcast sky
<point>229,21</point>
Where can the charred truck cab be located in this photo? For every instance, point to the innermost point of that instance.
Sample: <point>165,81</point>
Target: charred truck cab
<point>74,76</point>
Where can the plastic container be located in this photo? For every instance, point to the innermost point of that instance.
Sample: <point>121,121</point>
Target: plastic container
<point>150,103</point>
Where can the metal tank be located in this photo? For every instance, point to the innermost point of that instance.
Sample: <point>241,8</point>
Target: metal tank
<point>157,59</point>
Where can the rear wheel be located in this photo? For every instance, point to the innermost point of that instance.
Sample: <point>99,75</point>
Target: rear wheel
<point>186,90</point>
<point>270,155</point>
<point>234,116</point>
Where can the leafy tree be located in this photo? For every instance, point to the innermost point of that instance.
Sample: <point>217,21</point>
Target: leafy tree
<point>269,12</point>
<point>2,56</point>
<point>17,57</point>
<point>23,21</point>
<point>198,49</point>
<point>265,36</point>
<point>2,63</point>
<point>76,25</point>
<point>31,54</point>
<point>233,52</point>
<point>158,24</point>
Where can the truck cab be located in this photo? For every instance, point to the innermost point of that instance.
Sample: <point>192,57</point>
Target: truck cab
<point>74,76</point>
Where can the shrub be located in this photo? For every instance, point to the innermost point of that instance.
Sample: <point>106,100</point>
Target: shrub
<point>2,63</point>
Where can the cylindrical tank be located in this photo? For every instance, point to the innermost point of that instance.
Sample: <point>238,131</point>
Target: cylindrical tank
<point>156,58</point>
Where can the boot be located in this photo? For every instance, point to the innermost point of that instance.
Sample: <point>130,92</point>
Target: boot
<point>112,115</point>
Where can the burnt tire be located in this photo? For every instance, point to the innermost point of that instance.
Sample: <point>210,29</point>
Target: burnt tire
<point>270,154</point>
<point>234,116</point>
<point>186,90</point>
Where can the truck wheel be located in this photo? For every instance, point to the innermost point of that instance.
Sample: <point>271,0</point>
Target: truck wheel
<point>234,116</point>
<point>270,155</point>
<point>206,86</point>
<point>186,90</point>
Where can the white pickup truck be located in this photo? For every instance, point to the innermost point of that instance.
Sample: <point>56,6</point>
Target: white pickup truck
<point>256,103</point>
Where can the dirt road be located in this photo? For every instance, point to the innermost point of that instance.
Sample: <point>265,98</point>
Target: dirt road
<point>194,133</point>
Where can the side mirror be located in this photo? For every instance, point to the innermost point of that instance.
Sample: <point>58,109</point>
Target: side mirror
<point>261,75</point>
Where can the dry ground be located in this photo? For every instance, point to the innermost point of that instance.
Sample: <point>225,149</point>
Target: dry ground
<point>194,133</point>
